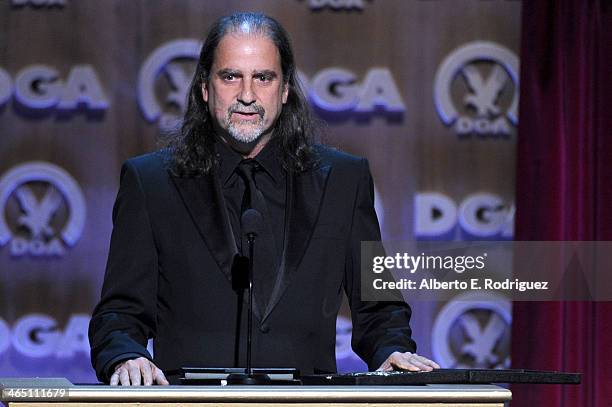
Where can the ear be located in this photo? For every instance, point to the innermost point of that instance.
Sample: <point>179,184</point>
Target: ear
<point>285,93</point>
<point>205,91</point>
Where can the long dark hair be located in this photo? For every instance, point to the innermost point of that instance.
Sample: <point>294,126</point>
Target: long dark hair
<point>192,148</point>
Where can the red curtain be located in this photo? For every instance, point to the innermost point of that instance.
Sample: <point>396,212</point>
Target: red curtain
<point>564,188</point>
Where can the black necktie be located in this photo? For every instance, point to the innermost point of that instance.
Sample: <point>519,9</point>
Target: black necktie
<point>265,255</point>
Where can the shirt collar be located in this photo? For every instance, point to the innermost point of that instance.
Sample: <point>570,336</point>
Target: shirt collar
<point>268,159</point>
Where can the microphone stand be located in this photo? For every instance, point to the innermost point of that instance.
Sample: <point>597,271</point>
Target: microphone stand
<point>249,367</point>
<point>249,378</point>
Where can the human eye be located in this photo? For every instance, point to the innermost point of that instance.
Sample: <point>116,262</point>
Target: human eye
<point>264,77</point>
<point>228,76</point>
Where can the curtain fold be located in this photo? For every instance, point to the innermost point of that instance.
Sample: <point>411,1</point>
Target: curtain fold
<point>564,189</point>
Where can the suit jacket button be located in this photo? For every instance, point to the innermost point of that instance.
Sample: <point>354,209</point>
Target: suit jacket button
<point>264,328</point>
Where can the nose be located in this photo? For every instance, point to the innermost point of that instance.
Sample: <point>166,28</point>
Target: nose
<point>246,95</point>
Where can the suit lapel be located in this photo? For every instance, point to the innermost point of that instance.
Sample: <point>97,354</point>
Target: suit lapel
<point>304,197</point>
<point>203,198</point>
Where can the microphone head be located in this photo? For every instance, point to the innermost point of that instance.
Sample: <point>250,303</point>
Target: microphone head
<point>251,221</point>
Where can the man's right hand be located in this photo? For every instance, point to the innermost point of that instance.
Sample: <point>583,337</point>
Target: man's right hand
<point>135,372</point>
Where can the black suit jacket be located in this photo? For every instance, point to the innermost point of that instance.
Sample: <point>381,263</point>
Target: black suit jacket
<point>168,275</point>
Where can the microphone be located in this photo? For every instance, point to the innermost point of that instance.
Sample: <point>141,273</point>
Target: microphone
<point>251,222</point>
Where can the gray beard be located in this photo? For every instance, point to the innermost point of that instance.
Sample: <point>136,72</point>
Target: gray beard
<point>245,131</point>
<point>246,134</point>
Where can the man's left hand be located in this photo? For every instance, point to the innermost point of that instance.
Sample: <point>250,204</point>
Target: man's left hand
<point>407,361</point>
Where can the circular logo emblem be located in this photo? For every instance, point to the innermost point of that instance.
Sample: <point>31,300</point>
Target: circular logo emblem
<point>473,331</point>
<point>168,59</point>
<point>486,101</point>
<point>33,195</point>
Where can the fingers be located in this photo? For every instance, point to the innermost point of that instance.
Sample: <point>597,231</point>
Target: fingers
<point>158,376</point>
<point>133,368</point>
<point>147,375</point>
<point>124,376</point>
<point>408,361</point>
<point>114,380</point>
<point>386,366</point>
<point>432,363</point>
<point>135,372</point>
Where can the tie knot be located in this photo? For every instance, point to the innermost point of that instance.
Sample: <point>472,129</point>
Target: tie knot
<point>247,168</point>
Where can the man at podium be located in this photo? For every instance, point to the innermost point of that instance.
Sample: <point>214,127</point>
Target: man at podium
<point>174,267</point>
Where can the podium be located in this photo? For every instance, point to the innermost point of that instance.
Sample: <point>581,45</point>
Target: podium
<point>440,387</point>
<point>428,395</point>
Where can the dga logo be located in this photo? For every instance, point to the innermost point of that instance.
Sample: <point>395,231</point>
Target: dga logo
<point>337,4</point>
<point>40,88</point>
<point>39,336</point>
<point>473,331</point>
<point>481,215</point>
<point>175,60</point>
<point>485,102</point>
<point>338,90</point>
<point>41,206</point>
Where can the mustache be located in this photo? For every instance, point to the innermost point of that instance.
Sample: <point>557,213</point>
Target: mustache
<point>236,107</point>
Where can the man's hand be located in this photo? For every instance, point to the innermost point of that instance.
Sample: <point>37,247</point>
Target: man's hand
<point>135,372</point>
<point>407,361</point>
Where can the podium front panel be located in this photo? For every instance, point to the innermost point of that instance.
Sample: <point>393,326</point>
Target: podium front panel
<point>278,396</point>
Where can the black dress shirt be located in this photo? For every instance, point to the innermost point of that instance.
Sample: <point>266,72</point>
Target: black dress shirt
<point>271,180</point>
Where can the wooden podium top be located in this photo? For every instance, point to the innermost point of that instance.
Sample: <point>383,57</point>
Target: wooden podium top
<point>423,395</point>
